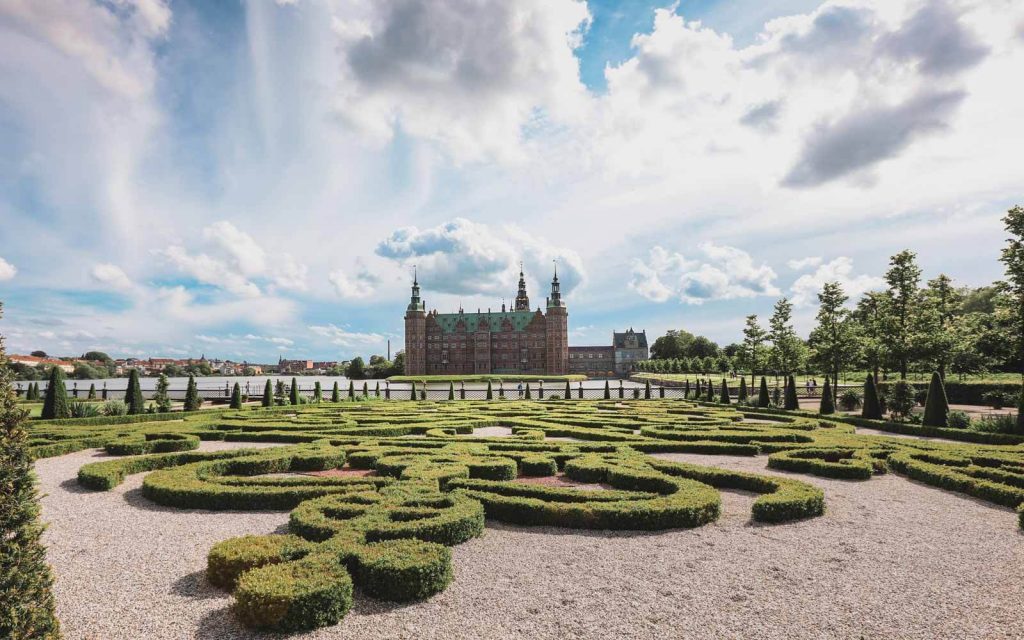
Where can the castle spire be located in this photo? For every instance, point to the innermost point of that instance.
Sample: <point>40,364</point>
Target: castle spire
<point>415,303</point>
<point>555,299</point>
<point>522,300</point>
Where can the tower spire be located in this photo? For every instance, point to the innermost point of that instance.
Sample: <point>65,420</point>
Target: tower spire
<point>522,300</point>
<point>555,299</point>
<point>415,303</point>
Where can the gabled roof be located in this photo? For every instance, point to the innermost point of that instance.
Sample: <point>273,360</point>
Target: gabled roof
<point>519,319</point>
<point>619,339</point>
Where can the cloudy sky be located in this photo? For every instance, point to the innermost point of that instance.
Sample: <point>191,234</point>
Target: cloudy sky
<point>249,179</point>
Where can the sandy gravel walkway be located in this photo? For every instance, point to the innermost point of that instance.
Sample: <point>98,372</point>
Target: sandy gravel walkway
<point>891,559</point>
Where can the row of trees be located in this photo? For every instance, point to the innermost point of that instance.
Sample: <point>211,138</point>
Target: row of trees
<point>905,327</point>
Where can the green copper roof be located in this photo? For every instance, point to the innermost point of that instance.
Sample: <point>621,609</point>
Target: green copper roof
<point>519,320</point>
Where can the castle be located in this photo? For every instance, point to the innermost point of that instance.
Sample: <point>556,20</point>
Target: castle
<point>517,341</point>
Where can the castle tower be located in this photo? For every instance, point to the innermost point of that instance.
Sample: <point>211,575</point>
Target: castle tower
<point>522,300</point>
<point>415,332</point>
<point>557,321</point>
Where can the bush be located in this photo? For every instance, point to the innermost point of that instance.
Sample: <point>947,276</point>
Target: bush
<point>872,409</point>
<point>84,410</point>
<point>995,423</point>
<point>828,406</point>
<point>936,410</point>
<point>900,399</point>
<point>133,395</point>
<point>959,420</point>
<point>229,559</point>
<point>997,399</point>
<point>113,408</point>
<point>295,596</point>
<point>791,403</point>
<point>849,400</point>
<point>55,405</point>
<point>403,570</point>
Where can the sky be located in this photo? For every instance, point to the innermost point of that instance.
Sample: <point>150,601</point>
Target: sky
<point>256,179</point>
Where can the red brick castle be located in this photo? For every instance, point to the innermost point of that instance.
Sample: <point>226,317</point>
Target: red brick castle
<point>517,341</point>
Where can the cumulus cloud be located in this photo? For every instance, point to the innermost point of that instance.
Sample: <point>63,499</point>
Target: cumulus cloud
<point>805,289</point>
<point>360,285</point>
<point>111,275</point>
<point>235,263</point>
<point>469,74</point>
<point>799,264</point>
<point>866,137</point>
<point>722,273</point>
<point>345,338</point>
<point>7,270</point>
<point>465,257</point>
<point>936,40</point>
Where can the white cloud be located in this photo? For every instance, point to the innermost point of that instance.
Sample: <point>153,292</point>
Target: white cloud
<point>469,74</point>
<point>724,273</point>
<point>359,286</point>
<point>7,270</point>
<point>112,276</point>
<point>806,288</point>
<point>465,257</point>
<point>345,338</point>
<point>799,264</point>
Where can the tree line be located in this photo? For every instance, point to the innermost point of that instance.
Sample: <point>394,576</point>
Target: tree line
<point>908,326</point>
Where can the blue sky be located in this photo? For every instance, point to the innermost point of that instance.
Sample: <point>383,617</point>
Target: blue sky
<point>255,179</point>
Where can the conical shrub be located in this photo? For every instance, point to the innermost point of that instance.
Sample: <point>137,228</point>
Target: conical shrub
<point>133,396</point>
<point>92,392</point>
<point>686,389</point>
<point>490,390</point>
<point>352,390</point>
<point>724,394</point>
<point>236,397</point>
<point>268,394</point>
<point>742,397</point>
<point>1020,420</point>
<point>792,404</point>
<point>872,408</point>
<point>366,391</point>
<point>192,398</point>
<point>936,406</point>
<point>451,390</point>
<point>607,391</point>
<point>528,396</point>
<point>55,405</point>
<point>710,392</point>
<point>647,389</point>
<point>412,391</point>
<point>828,403</point>
<point>568,391</point>
<point>293,395</point>
<point>318,392</point>
<point>763,399</point>
<point>335,393</point>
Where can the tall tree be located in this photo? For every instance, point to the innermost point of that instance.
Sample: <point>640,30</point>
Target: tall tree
<point>55,404</point>
<point>28,610</point>
<point>192,398</point>
<point>787,349</point>
<point>160,397</point>
<point>870,317</point>
<point>1012,301</point>
<point>939,315</point>
<point>903,278</point>
<point>753,345</point>
<point>834,339</point>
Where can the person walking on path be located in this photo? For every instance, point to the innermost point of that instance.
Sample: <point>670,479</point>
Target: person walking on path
<point>520,390</point>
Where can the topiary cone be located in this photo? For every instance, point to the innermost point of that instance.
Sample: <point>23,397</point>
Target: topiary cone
<point>792,404</point>
<point>763,399</point>
<point>55,405</point>
<point>236,397</point>
<point>268,394</point>
<point>936,406</point>
<point>742,397</point>
<point>828,403</point>
<point>872,408</point>
<point>724,395</point>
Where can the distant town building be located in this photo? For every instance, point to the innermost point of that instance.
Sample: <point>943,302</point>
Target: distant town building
<point>294,366</point>
<point>617,359</point>
<point>509,341</point>
<point>34,361</point>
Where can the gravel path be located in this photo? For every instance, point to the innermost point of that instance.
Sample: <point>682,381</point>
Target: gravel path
<point>891,559</point>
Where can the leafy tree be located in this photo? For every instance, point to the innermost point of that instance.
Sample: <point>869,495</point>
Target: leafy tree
<point>279,389</point>
<point>28,611</point>
<point>39,354</point>
<point>787,350</point>
<point>55,404</point>
<point>133,396</point>
<point>160,397</point>
<point>701,347</point>
<point>192,398</point>
<point>834,339</point>
<point>901,399</point>
<point>828,399</point>
<point>753,346</point>
<point>268,393</point>
<point>236,397</point>
<point>869,316</point>
<point>398,365</point>
<point>872,407</point>
<point>294,392</point>
<point>941,303</point>
<point>936,406</point>
<point>96,356</point>
<point>335,393</point>
<point>356,369</point>
<point>1011,303</point>
<point>792,403</point>
<point>899,336</point>
<point>763,399</point>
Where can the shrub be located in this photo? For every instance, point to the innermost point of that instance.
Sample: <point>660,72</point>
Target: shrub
<point>236,397</point>
<point>724,394</point>
<point>936,410</point>
<point>55,405</point>
<point>229,559</point>
<point>84,410</point>
<point>268,394</point>
<point>192,398</point>
<point>115,408</point>
<point>995,423</point>
<point>828,406</point>
<point>996,399</point>
<point>959,420</point>
<point>742,397</point>
<point>335,393</point>
<point>900,399</point>
<point>318,392</point>
<point>293,394</point>
<point>872,401</point>
<point>403,570</point>
<point>92,392</point>
<point>133,395</point>
<point>849,400</point>
<point>792,404</point>
<point>313,592</point>
<point>763,400</point>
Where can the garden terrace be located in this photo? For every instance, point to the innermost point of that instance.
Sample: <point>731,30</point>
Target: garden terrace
<point>417,483</point>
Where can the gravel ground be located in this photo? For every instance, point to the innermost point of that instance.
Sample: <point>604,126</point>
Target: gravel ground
<point>891,559</point>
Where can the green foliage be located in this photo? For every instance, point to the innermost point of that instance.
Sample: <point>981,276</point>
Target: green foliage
<point>55,405</point>
<point>115,408</point>
<point>872,408</point>
<point>92,392</point>
<point>236,397</point>
<point>900,399</point>
<point>607,391</point>
<point>193,401</point>
<point>959,420</point>
<point>160,397</point>
<point>742,397</point>
<point>352,390</point>
<point>936,408</point>
<point>28,610</point>
<point>451,390</point>
<point>133,395</point>
<point>723,396</point>
<point>318,392</point>
<point>763,400</point>
<point>335,393</point>
<point>828,405</point>
<point>850,400</point>
<point>791,402</point>
<point>293,394</point>
<point>268,393</point>
<point>84,410</point>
